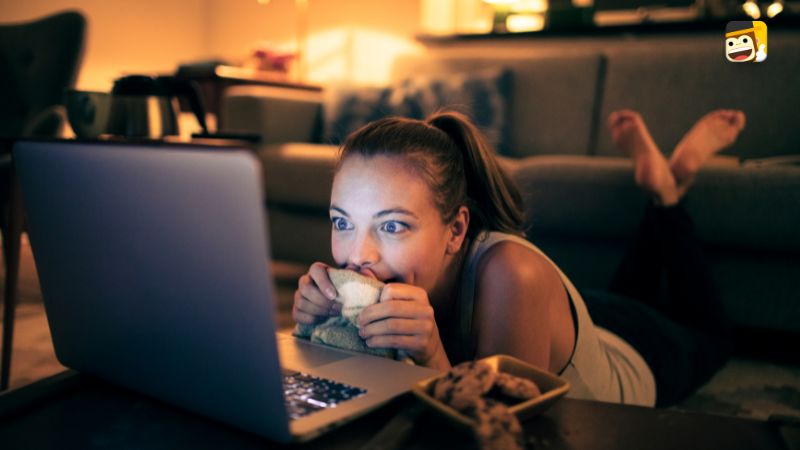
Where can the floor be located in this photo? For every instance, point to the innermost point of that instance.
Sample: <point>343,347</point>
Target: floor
<point>33,357</point>
<point>745,387</point>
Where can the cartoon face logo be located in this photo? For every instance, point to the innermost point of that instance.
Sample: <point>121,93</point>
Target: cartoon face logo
<point>746,41</point>
<point>742,48</point>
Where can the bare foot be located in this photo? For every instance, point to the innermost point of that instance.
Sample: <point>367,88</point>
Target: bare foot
<point>711,134</point>
<point>652,173</point>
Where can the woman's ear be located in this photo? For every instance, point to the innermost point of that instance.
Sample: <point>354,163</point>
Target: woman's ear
<point>458,230</point>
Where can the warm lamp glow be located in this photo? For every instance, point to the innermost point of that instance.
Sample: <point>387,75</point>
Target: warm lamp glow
<point>751,9</point>
<point>321,152</point>
<point>774,9</point>
<point>516,23</point>
<point>301,34</point>
<point>529,6</point>
<point>357,55</point>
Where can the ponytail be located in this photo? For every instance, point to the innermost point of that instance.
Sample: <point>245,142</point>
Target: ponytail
<point>496,201</point>
<point>451,155</point>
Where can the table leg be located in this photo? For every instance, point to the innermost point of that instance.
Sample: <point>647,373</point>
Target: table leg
<point>11,254</point>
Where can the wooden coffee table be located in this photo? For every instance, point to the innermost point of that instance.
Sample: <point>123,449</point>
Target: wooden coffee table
<point>70,410</point>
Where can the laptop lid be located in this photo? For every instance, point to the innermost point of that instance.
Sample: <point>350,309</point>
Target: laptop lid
<point>130,295</point>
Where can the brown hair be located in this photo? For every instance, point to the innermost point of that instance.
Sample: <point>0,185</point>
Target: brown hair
<point>456,162</point>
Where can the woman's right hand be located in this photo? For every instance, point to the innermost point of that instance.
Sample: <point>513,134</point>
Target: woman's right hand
<point>313,299</point>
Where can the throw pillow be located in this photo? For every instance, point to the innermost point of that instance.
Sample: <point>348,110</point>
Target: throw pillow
<point>483,96</point>
<point>347,108</point>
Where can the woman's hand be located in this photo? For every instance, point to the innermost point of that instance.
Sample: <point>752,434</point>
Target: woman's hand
<point>313,299</point>
<point>403,319</point>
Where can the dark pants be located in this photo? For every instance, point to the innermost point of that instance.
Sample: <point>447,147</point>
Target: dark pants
<point>663,301</point>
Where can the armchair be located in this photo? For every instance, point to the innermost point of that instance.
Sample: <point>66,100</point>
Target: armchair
<point>39,60</point>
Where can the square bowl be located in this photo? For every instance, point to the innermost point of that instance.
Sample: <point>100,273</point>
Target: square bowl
<point>552,386</point>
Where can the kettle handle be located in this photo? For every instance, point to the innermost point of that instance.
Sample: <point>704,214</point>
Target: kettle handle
<point>190,90</point>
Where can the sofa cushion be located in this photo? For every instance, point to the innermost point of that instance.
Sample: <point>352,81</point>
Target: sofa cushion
<point>674,86</point>
<point>553,99</point>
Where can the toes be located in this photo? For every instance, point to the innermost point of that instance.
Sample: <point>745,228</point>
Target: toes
<point>629,114</point>
<point>729,114</point>
<point>615,118</point>
<point>626,112</point>
<point>739,119</point>
<point>718,113</point>
<point>622,116</point>
<point>732,117</point>
<point>612,119</point>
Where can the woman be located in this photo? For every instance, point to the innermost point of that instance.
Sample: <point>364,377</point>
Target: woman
<point>424,207</point>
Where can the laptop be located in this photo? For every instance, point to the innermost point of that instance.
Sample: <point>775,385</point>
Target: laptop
<point>154,267</point>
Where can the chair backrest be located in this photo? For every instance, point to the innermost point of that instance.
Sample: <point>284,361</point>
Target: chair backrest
<point>38,60</point>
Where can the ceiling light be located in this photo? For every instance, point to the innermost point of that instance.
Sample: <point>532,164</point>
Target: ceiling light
<point>751,9</point>
<point>774,9</point>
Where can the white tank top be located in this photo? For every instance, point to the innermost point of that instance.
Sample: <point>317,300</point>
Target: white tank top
<point>603,366</point>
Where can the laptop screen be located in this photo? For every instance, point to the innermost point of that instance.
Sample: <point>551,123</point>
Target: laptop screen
<point>153,262</point>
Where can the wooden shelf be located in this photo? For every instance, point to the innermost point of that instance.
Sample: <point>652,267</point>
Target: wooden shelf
<point>783,22</point>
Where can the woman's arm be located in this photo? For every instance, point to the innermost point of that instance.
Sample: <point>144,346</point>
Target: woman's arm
<point>521,308</point>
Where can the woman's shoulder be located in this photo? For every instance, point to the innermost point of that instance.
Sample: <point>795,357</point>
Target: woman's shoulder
<point>517,303</point>
<point>513,260</point>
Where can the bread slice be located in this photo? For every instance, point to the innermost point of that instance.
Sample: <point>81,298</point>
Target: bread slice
<point>356,292</point>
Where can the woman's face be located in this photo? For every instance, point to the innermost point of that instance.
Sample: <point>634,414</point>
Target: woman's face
<point>385,223</point>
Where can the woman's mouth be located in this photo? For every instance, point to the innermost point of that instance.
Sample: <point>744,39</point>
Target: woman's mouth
<point>368,273</point>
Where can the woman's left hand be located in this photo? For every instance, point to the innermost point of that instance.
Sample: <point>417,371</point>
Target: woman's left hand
<point>403,319</point>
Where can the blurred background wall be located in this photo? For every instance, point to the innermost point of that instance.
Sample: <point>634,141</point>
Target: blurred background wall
<point>126,37</point>
<point>347,39</point>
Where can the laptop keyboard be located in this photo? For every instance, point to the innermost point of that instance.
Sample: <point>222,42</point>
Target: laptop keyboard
<point>306,394</point>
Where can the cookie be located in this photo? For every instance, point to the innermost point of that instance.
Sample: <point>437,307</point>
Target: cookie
<point>497,428</point>
<point>464,385</point>
<point>465,388</point>
<point>516,387</point>
<point>355,292</point>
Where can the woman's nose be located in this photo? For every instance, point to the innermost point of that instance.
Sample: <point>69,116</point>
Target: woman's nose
<point>364,251</point>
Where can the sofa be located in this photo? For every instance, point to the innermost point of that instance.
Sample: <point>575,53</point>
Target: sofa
<point>581,203</point>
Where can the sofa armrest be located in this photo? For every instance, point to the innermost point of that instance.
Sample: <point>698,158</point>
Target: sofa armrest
<point>297,183</point>
<point>277,115</point>
<point>299,175</point>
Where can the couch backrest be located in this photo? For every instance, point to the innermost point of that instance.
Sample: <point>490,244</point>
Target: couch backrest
<point>672,86</point>
<point>562,97</point>
<point>552,100</point>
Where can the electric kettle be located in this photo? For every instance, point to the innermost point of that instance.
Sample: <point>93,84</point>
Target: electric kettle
<point>139,106</point>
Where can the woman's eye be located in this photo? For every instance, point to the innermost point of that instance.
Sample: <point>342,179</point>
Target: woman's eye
<point>341,224</point>
<point>394,227</point>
